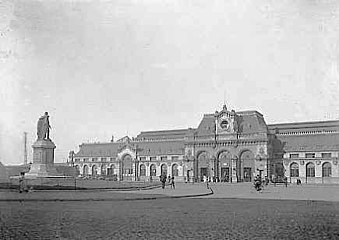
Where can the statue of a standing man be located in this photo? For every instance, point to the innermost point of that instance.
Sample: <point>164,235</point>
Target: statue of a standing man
<point>43,127</point>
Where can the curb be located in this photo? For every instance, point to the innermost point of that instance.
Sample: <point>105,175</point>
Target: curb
<point>107,199</point>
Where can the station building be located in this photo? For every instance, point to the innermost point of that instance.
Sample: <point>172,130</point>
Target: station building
<point>227,146</point>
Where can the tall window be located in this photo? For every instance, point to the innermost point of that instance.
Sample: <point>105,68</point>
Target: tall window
<point>327,171</point>
<point>310,170</point>
<point>142,170</point>
<point>85,170</point>
<point>103,169</point>
<point>175,170</point>
<point>164,169</point>
<point>294,170</point>
<point>153,170</point>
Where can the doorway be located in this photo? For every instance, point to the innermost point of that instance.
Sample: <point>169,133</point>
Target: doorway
<point>247,174</point>
<point>203,172</point>
<point>225,174</point>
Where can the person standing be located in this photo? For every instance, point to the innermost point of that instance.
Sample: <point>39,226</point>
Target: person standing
<point>163,180</point>
<point>172,182</point>
<point>285,181</point>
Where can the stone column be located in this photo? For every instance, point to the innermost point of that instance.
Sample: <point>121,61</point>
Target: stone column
<point>234,169</point>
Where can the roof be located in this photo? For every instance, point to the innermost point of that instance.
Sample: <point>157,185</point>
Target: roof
<point>145,148</point>
<point>98,149</point>
<point>160,148</point>
<point>315,142</point>
<point>304,126</point>
<point>3,172</point>
<point>163,134</point>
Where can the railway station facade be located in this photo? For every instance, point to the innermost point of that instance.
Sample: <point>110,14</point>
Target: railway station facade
<point>226,146</point>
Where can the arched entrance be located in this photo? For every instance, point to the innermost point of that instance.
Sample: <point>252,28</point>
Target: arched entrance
<point>202,167</point>
<point>224,167</point>
<point>77,170</point>
<point>175,171</point>
<point>94,171</point>
<point>103,169</point>
<point>164,169</point>
<point>245,166</point>
<point>110,170</point>
<point>153,170</point>
<point>127,167</point>
<point>85,170</point>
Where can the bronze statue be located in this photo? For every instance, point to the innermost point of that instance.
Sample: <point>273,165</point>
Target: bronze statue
<point>43,127</point>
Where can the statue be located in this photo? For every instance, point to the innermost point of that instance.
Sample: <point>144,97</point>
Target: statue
<point>43,127</point>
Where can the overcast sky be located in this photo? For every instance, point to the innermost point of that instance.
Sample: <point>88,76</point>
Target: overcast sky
<point>103,68</point>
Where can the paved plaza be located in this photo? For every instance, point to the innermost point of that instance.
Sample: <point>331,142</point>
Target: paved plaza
<point>187,212</point>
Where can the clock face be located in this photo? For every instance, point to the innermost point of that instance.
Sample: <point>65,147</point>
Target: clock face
<point>224,124</point>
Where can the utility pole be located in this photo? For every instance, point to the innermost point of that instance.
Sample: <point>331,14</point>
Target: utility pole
<point>25,148</point>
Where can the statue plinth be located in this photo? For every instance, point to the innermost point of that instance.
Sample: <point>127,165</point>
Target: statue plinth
<point>43,159</point>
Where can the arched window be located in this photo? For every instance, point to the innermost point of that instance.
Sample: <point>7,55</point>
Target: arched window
<point>310,170</point>
<point>77,170</point>
<point>103,169</point>
<point>164,169</point>
<point>127,165</point>
<point>175,171</point>
<point>294,170</point>
<point>153,170</point>
<point>85,170</point>
<point>327,171</point>
<point>94,170</point>
<point>142,170</point>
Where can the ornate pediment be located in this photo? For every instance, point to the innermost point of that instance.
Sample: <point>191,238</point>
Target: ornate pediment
<point>226,121</point>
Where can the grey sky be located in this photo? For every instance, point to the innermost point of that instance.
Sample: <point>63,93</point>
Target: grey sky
<point>116,67</point>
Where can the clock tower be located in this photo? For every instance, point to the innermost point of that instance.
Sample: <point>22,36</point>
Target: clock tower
<point>226,121</point>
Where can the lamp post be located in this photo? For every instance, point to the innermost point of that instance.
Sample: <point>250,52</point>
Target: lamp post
<point>136,164</point>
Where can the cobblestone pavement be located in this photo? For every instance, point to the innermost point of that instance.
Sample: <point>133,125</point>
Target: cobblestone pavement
<point>171,219</point>
<point>233,212</point>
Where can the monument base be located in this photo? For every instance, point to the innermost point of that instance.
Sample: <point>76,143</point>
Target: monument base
<point>43,160</point>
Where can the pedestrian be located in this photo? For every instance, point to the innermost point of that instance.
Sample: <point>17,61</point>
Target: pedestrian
<point>163,181</point>
<point>169,178</point>
<point>285,181</point>
<point>172,183</point>
<point>22,184</point>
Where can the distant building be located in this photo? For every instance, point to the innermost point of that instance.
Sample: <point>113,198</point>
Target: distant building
<point>227,146</point>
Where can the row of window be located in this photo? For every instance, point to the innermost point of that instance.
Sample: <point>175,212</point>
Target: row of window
<point>104,159</point>
<point>163,170</point>
<point>310,170</point>
<point>129,170</point>
<point>311,155</point>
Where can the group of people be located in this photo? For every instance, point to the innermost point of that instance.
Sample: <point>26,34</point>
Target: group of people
<point>164,178</point>
<point>259,183</point>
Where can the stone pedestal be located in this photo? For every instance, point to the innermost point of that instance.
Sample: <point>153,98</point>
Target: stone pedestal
<point>43,160</point>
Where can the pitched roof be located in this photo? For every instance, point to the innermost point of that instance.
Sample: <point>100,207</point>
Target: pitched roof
<point>145,148</point>
<point>98,150</point>
<point>163,134</point>
<point>160,148</point>
<point>315,142</point>
<point>304,126</point>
